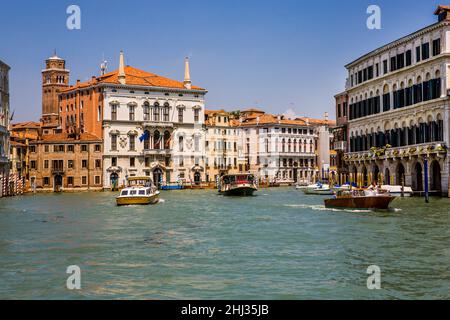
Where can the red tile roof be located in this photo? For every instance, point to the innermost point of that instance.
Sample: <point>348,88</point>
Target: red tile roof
<point>65,137</point>
<point>134,77</point>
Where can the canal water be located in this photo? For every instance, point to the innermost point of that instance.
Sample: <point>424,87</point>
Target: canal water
<point>279,244</point>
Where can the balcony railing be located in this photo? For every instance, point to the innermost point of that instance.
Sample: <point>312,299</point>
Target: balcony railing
<point>340,146</point>
<point>423,149</point>
<point>58,170</point>
<point>150,152</point>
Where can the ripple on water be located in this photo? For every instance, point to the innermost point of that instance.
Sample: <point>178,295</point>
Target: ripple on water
<point>196,244</point>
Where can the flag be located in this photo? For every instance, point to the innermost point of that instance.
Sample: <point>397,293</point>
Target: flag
<point>144,137</point>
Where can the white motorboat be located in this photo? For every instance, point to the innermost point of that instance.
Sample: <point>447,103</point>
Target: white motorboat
<point>396,191</point>
<point>318,189</point>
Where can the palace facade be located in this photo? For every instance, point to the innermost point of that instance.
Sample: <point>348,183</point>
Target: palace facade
<point>150,125</point>
<point>398,110</point>
<point>281,150</point>
<point>221,146</point>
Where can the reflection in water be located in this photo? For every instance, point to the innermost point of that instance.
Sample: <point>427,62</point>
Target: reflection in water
<point>197,245</point>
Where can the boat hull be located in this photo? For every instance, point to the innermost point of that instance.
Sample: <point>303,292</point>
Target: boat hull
<point>380,202</point>
<point>128,201</point>
<point>240,192</point>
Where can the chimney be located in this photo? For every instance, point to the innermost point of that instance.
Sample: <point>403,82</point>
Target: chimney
<point>122,77</point>
<point>257,120</point>
<point>187,75</point>
<point>443,13</point>
<point>326,116</point>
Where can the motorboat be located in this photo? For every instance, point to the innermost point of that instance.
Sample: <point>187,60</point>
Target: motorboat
<point>396,191</point>
<point>360,199</point>
<point>318,189</point>
<point>140,191</point>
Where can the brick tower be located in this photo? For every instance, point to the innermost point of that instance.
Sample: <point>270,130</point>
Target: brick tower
<point>55,77</point>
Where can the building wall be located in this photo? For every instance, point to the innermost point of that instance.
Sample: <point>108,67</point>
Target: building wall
<point>82,109</point>
<point>390,139</point>
<point>279,153</point>
<point>4,120</point>
<point>221,147</point>
<point>174,160</point>
<point>43,172</point>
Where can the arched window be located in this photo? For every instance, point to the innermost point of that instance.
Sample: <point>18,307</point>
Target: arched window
<point>156,112</point>
<point>181,144</point>
<point>157,140</point>
<point>283,145</point>
<point>167,140</point>
<point>146,110</point>
<point>146,140</point>
<point>166,112</point>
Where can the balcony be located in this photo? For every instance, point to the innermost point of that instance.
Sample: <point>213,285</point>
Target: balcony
<point>417,150</point>
<point>159,124</point>
<point>340,146</point>
<point>153,152</point>
<point>58,171</point>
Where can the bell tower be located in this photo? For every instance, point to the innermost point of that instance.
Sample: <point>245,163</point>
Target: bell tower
<point>55,77</point>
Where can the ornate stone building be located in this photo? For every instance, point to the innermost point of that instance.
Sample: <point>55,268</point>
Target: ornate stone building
<point>398,117</point>
<point>281,150</point>
<point>150,125</point>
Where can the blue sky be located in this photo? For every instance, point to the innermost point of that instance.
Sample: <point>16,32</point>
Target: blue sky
<point>275,55</point>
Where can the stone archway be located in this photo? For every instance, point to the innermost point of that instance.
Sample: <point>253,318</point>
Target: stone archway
<point>376,173</point>
<point>435,177</point>
<point>400,174</point>
<point>387,177</point>
<point>365,176</point>
<point>418,177</point>
<point>157,177</point>
<point>114,180</point>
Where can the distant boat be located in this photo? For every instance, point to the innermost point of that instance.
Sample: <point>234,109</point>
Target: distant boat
<point>318,189</point>
<point>139,191</point>
<point>360,199</point>
<point>238,185</point>
<point>396,191</point>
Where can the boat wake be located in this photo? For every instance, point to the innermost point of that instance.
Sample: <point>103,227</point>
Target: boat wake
<point>322,208</point>
<point>161,201</point>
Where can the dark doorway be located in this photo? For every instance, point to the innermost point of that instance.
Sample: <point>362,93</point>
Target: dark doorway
<point>419,178</point>
<point>435,177</point>
<point>387,177</point>
<point>376,174</point>
<point>157,177</point>
<point>197,178</point>
<point>58,183</point>
<point>400,174</point>
<point>114,179</point>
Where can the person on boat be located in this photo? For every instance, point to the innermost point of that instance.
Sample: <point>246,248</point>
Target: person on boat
<point>373,188</point>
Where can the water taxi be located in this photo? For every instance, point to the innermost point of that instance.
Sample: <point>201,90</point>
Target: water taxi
<point>140,191</point>
<point>360,199</point>
<point>238,185</point>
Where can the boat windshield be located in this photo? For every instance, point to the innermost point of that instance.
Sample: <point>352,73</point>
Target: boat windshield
<point>124,193</point>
